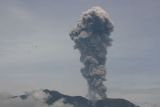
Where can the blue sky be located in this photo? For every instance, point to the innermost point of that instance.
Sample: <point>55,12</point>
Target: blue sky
<point>36,51</point>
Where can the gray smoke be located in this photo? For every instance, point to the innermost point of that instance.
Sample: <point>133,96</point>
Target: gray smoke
<point>92,37</point>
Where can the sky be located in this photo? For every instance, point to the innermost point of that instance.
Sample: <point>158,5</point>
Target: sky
<point>36,51</point>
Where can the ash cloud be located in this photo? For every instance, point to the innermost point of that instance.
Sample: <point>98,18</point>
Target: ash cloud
<point>92,37</point>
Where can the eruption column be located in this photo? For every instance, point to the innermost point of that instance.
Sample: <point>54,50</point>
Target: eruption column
<point>92,37</point>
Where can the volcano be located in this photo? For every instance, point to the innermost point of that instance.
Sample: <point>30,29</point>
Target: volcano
<point>78,101</point>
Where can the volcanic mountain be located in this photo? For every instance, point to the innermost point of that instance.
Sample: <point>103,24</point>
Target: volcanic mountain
<point>54,97</point>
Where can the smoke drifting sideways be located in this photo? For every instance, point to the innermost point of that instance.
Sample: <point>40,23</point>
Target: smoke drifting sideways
<point>92,37</point>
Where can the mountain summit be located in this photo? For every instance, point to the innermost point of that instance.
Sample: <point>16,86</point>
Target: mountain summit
<point>56,99</point>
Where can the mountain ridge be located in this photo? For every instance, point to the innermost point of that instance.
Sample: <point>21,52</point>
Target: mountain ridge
<point>79,101</point>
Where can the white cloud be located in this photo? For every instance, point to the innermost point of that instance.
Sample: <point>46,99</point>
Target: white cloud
<point>35,99</point>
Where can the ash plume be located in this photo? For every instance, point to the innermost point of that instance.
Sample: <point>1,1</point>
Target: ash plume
<point>92,37</point>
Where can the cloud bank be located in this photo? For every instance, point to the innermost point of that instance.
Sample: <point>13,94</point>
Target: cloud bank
<point>30,99</point>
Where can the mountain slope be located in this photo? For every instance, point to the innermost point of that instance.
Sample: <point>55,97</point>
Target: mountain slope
<point>78,101</point>
<point>56,99</point>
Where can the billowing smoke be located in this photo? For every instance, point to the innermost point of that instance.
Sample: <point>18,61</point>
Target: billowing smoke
<point>92,37</point>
